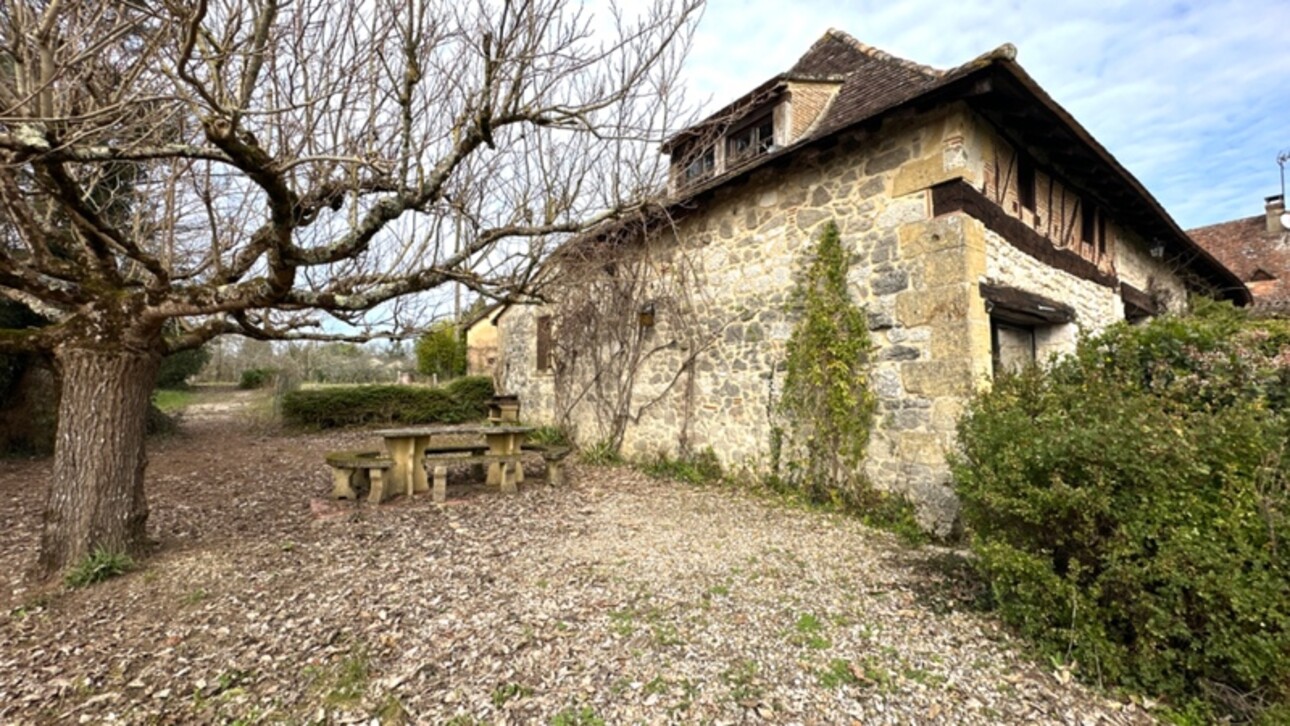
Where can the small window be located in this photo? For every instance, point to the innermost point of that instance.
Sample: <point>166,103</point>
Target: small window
<point>701,167</point>
<point>1012,346</point>
<point>1025,182</point>
<point>1101,235</point>
<point>1087,226</point>
<point>545,343</point>
<point>751,140</point>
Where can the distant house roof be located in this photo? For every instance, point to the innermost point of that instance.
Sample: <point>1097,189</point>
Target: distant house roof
<point>875,83</point>
<point>1259,257</point>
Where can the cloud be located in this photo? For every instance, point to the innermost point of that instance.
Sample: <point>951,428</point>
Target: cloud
<point>1193,98</point>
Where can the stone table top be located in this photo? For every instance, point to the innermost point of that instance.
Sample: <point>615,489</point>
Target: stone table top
<point>485,429</point>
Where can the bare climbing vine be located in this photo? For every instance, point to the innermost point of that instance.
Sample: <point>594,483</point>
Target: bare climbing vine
<point>630,325</point>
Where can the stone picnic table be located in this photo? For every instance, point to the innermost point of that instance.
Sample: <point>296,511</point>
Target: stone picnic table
<point>407,448</point>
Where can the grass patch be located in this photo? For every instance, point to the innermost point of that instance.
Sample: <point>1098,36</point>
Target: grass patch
<point>839,673</point>
<point>99,566</point>
<point>623,622</point>
<point>509,691</point>
<point>742,680</point>
<point>808,632</point>
<point>700,468</point>
<point>349,680</point>
<point>584,716</point>
<point>172,401</point>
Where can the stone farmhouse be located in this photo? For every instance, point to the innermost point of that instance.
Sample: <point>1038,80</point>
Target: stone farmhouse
<point>988,228</point>
<point>1257,249</point>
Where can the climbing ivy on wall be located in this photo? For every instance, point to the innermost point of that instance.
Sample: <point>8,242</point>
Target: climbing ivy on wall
<point>827,397</point>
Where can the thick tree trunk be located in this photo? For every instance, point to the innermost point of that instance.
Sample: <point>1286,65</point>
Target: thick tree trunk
<point>96,499</point>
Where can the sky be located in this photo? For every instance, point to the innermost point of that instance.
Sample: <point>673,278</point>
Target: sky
<point>1192,98</point>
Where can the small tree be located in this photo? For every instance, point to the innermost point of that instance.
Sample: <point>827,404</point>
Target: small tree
<point>826,390</point>
<point>441,351</point>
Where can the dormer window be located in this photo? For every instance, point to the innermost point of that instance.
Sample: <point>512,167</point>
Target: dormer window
<point>756,138</point>
<point>701,167</point>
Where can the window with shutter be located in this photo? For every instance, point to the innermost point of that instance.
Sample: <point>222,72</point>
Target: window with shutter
<point>545,344</point>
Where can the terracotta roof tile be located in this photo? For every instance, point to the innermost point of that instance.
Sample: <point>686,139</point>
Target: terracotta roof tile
<point>1246,247</point>
<point>875,82</point>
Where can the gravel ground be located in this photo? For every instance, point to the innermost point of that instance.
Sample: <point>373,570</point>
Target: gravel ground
<point>616,598</point>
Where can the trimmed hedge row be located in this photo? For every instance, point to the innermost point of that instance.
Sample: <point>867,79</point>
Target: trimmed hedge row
<point>465,399</point>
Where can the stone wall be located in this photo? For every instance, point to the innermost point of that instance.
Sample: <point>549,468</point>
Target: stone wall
<point>716,365</point>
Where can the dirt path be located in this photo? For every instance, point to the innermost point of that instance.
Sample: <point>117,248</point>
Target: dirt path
<point>616,598</point>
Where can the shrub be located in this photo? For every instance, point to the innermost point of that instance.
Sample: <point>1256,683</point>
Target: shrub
<point>466,400</point>
<point>601,453</point>
<point>176,368</point>
<point>827,397</point>
<point>1128,507</point>
<point>441,351</point>
<point>549,436</point>
<point>256,378</point>
<point>99,566</point>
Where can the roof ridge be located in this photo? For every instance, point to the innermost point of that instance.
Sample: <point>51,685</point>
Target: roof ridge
<point>1246,220</point>
<point>880,54</point>
<point>1005,52</point>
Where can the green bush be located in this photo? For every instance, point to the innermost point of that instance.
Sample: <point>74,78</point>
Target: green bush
<point>256,378</point>
<point>1129,507</point>
<point>177,368</point>
<point>464,400</point>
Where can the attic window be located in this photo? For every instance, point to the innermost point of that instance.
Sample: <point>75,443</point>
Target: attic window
<point>756,138</point>
<point>1026,183</point>
<point>1261,275</point>
<point>701,167</point>
<point>1088,223</point>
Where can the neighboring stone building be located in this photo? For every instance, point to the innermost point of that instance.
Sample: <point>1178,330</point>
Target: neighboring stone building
<point>987,226</point>
<point>481,341</point>
<point>1257,249</point>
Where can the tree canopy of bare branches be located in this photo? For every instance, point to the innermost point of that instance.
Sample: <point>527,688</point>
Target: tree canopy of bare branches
<point>174,171</point>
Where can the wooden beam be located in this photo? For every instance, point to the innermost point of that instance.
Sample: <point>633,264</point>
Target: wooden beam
<point>959,196</point>
<point>1015,305</point>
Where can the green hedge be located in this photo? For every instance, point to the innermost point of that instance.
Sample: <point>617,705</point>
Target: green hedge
<point>1129,509</point>
<point>254,378</point>
<point>465,399</point>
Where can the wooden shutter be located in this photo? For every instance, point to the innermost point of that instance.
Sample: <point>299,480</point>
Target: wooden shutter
<point>544,343</point>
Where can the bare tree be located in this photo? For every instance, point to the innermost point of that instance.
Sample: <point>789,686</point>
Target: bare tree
<point>260,167</point>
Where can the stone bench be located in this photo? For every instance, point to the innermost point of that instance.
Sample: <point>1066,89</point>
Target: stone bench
<point>554,457</point>
<point>351,469</point>
<point>438,466</point>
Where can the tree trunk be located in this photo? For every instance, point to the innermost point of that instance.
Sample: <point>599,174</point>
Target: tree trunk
<point>96,499</point>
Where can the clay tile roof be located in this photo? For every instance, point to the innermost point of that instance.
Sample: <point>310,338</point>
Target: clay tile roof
<point>875,83</point>
<point>1246,247</point>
